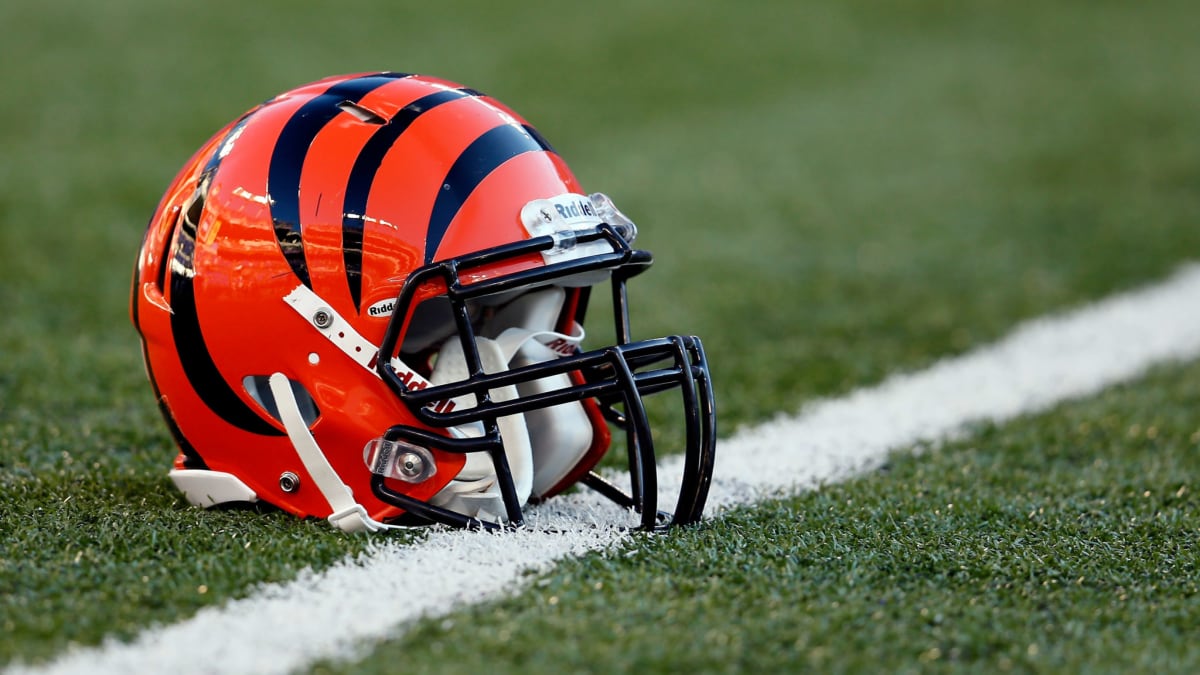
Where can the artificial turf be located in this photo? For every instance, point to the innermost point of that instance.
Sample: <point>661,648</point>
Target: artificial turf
<point>834,191</point>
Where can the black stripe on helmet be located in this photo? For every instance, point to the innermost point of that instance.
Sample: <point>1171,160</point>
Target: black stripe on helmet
<point>362,176</point>
<point>287,160</point>
<point>480,158</point>
<point>197,361</point>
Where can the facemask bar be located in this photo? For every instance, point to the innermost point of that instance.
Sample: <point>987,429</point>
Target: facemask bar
<point>700,429</point>
<point>621,374</point>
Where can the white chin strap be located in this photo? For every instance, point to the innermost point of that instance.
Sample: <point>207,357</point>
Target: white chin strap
<point>348,515</point>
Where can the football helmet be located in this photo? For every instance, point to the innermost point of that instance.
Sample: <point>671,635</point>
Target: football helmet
<point>363,300</point>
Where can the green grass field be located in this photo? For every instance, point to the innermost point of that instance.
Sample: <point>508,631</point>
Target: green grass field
<point>834,191</point>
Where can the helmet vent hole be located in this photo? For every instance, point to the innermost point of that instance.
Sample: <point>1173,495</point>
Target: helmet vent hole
<point>195,206</point>
<point>362,113</point>
<point>260,391</point>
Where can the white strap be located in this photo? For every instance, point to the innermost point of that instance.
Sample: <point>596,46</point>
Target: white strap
<point>512,339</point>
<point>476,479</point>
<point>341,333</point>
<point>330,324</point>
<point>348,515</point>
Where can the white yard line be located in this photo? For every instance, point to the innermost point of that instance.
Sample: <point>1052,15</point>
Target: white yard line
<point>342,610</point>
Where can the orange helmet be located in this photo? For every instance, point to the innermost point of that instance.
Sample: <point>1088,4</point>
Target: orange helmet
<point>363,300</point>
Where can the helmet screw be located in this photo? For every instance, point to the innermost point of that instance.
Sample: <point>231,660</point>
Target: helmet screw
<point>289,482</point>
<point>322,318</point>
<point>411,466</point>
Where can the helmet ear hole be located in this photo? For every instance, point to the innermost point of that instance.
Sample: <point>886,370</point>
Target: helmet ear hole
<point>260,391</point>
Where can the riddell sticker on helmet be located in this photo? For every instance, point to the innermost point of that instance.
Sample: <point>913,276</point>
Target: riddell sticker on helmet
<point>414,382</point>
<point>382,308</point>
<point>280,337</point>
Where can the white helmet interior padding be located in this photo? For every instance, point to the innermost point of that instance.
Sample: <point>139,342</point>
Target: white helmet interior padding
<point>543,445</point>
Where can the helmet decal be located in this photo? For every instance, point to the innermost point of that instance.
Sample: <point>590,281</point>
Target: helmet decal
<point>475,163</point>
<point>283,182</point>
<point>362,177</point>
<point>198,364</point>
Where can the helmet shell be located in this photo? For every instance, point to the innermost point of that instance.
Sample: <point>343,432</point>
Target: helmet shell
<point>345,185</point>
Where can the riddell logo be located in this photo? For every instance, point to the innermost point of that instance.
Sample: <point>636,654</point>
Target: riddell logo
<point>382,308</point>
<point>575,209</point>
<point>413,381</point>
<point>563,347</point>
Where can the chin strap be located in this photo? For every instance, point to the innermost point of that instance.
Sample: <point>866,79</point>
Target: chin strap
<point>348,515</point>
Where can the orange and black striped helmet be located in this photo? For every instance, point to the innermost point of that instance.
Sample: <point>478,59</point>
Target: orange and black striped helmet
<point>363,300</point>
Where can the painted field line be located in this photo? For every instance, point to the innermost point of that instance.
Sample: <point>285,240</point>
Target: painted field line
<point>285,627</point>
